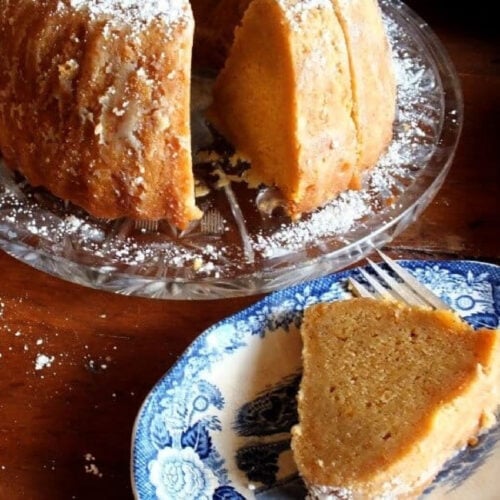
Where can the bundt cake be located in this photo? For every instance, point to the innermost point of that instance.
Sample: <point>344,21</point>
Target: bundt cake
<point>95,97</point>
<point>388,394</point>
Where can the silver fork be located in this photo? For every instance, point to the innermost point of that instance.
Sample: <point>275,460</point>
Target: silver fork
<point>147,226</point>
<point>406,289</point>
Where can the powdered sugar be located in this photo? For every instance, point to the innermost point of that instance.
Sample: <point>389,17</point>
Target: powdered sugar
<point>132,11</point>
<point>296,11</point>
<point>336,217</point>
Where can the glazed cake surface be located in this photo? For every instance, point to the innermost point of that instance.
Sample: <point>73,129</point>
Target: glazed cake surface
<point>95,103</point>
<point>95,97</point>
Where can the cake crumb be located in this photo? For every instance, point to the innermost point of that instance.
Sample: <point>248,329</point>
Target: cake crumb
<point>91,467</point>
<point>197,264</point>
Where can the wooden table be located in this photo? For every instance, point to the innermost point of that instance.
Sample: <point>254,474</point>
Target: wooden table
<point>65,430</point>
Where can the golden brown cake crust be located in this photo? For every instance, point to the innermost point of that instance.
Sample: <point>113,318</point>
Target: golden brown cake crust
<point>389,393</point>
<point>95,107</point>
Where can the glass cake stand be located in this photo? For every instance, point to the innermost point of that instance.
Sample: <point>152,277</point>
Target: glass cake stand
<point>241,246</point>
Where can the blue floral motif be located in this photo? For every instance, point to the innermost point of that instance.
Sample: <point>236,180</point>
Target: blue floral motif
<point>271,412</point>
<point>198,438</point>
<point>178,430</point>
<point>337,291</point>
<point>180,475</point>
<point>260,462</point>
<point>474,295</point>
<point>227,493</point>
<point>160,435</point>
<point>175,453</point>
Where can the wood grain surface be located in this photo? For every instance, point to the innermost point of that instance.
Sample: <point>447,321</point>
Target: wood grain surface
<point>65,430</point>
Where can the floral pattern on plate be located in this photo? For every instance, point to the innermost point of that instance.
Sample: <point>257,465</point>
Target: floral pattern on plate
<point>216,426</point>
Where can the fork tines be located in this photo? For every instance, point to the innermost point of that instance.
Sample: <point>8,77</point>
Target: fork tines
<point>212,222</point>
<point>408,290</point>
<point>147,226</point>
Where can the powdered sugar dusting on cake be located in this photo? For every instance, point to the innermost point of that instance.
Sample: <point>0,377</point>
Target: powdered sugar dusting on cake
<point>297,10</point>
<point>133,11</point>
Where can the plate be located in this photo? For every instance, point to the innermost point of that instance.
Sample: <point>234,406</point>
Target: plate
<point>216,426</point>
<point>238,248</point>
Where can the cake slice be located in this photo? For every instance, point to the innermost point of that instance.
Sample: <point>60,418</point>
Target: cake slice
<point>389,393</point>
<point>284,100</point>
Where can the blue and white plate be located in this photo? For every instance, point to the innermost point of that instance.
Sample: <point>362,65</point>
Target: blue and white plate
<point>216,426</point>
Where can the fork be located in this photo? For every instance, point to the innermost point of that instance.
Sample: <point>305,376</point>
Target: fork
<point>408,290</point>
<point>147,226</point>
